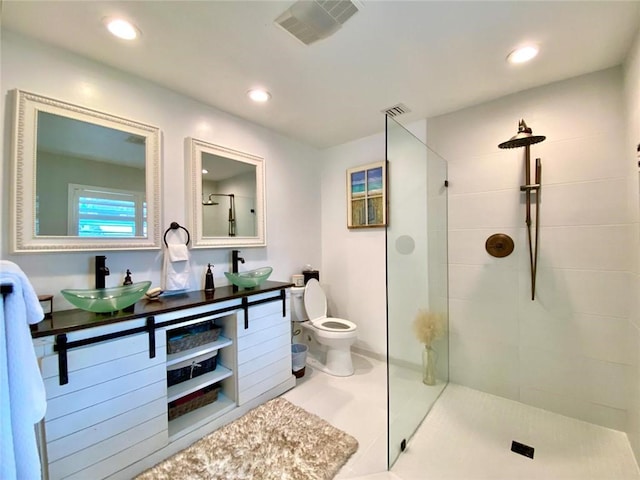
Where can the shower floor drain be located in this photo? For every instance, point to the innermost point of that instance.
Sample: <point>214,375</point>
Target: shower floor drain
<point>522,449</point>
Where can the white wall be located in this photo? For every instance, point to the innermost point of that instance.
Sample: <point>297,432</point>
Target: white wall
<point>632,103</point>
<point>568,350</point>
<point>293,190</point>
<point>353,261</point>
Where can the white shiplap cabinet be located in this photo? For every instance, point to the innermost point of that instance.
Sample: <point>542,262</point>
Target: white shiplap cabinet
<point>113,409</point>
<point>110,420</point>
<point>264,349</point>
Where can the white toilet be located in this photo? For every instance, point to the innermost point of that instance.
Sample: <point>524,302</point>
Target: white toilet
<point>333,336</point>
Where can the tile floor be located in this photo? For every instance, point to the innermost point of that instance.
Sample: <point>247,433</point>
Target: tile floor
<point>355,404</point>
<point>466,436</point>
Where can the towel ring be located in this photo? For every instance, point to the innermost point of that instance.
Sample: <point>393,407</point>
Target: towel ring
<point>175,226</point>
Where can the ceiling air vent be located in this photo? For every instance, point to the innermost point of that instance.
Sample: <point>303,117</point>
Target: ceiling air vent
<point>396,110</point>
<point>313,20</point>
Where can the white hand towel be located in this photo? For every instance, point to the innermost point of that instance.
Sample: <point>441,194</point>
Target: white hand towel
<point>178,252</point>
<point>22,394</point>
<point>176,272</point>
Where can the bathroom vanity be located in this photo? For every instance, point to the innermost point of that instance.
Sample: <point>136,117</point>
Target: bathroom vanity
<point>106,377</point>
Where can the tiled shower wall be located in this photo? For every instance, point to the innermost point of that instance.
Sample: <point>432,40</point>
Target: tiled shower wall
<point>632,104</point>
<point>569,351</point>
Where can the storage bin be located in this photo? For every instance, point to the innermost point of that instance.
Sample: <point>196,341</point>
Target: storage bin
<point>192,336</point>
<point>191,368</point>
<point>193,401</point>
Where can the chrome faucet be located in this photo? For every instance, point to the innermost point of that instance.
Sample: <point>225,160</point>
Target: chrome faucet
<point>101,271</point>
<point>234,260</point>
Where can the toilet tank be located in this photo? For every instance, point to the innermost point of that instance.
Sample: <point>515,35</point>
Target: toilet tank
<point>298,313</point>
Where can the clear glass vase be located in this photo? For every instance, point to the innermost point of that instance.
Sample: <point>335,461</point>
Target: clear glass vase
<point>429,359</point>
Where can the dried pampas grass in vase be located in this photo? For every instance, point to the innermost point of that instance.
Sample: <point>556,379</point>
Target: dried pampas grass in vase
<point>428,326</point>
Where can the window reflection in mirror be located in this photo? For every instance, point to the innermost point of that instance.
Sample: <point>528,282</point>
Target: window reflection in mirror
<point>82,179</point>
<point>90,179</point>
<point>225,196</point>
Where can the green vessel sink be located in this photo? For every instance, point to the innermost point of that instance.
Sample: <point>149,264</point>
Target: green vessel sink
<point>250,279</point>
<point>105,300</point>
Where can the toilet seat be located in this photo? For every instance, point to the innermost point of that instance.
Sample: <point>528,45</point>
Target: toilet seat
<point>338,325</point>
<point>315,303</point>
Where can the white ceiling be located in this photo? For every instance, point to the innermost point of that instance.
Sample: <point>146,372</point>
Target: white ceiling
<point>435,57</point>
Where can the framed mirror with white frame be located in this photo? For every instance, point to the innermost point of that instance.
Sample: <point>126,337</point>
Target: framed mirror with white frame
<point>225,196</point>
<point>82,179</point>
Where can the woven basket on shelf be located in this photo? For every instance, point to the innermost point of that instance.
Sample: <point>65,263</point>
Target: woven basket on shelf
<point>192,341</point>
<point>197,402</point>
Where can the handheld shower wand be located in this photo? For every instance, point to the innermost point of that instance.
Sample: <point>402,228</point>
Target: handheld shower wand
<point>525,138</point>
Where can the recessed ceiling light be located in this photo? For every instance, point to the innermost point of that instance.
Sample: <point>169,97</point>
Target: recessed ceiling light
<point>121,28</point>
<point>259,95</point>
<point>205,171</point>
<point>523,54</point>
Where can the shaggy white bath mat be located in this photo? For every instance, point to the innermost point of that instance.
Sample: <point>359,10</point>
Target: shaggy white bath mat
<point>275,441</point>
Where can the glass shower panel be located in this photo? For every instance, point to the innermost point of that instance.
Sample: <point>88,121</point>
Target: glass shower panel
<point>416,244</point>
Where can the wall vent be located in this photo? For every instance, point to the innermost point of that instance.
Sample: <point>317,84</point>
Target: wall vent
<point>313,20</point>
<point>522,449</point>
<point>396,110</point>
<point>135,139</point>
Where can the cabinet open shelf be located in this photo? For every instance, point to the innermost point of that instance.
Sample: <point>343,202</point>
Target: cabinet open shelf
<point>174,358</point>
<point>194,419</point>
<point>185,388</point>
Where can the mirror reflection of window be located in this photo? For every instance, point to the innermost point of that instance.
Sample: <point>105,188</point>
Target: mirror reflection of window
<point>73,152</point>
<point>106,213</point>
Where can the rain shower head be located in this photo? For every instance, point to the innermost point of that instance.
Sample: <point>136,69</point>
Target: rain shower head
<point>209,202</point>
<point>524,137</point>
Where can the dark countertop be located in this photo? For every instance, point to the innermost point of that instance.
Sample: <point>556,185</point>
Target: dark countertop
<point>71,320</point>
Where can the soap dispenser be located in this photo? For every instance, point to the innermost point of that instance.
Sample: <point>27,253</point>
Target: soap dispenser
<point>128,281</point>
<point>208,280</point>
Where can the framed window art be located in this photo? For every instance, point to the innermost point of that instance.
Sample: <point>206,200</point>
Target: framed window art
<point>367,196</point>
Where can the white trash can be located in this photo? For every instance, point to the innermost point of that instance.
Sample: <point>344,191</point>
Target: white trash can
<point>298,359</point>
